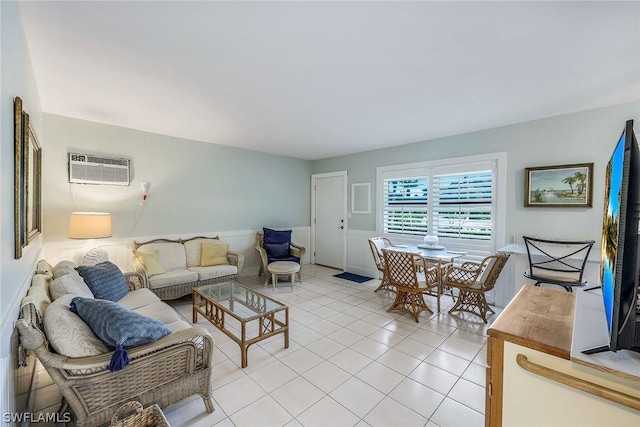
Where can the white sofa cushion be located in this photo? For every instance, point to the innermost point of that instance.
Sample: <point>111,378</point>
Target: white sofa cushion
<point>193,249</point>
<point>215,271</point>
<point>67,333</point>
<point>179,325</point>
<point>71,283</point>
<point>172,278</point>
<point>160,311</point>
<point>64,267</point>
<point>171,255</point>
<point>138,298</point>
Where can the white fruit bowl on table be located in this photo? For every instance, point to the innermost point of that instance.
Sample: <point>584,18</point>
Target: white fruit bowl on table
<point>431,241</point>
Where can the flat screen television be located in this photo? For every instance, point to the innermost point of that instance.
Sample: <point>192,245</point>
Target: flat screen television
<point>620,264</point>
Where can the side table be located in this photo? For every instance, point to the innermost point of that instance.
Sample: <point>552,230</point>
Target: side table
<point>283,267</point>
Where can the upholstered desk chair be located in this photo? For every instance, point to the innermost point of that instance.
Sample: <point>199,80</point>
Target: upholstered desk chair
<point>276,245</point>
<point>410,275</point>
<point>473,280</point>
<point>557,262</point>
<point>376,244</point>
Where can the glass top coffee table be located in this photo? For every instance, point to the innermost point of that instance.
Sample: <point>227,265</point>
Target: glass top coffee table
<point>244,315</point>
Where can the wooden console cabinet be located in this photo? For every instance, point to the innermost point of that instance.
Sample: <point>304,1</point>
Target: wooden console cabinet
<point>534,377</point>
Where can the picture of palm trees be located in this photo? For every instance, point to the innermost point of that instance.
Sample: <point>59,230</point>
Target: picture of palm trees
<point>611,216</point>
<point>560,186</point>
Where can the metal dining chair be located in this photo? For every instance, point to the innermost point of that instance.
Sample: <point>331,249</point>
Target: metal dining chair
<point>557,262</point>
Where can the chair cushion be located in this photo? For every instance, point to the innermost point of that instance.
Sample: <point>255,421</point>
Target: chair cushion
<point>213,254</point>
<point>67,333</point>
<point>277,250</point>
<point>118,327</point>
<point>290,258</point>
<point>380,245</point>
<point>172,255</point>
<point>193,249</point>
<point>276,236</point>
<point>71,283</point>
<point>105,280</point>
<point>558,276</point>
<point>484,275</point>
<point>151,262</point>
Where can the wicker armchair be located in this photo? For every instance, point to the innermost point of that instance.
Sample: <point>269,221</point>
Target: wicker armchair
<point>410,275</point>
<point>296,251</point>
<point>473,280</point>
<point>176,366</point>
<point>376,244</point>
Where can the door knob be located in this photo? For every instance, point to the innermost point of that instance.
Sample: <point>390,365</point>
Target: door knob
<point>341,227</point>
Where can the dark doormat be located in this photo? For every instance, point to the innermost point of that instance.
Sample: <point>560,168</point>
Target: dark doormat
<point>353,277</point>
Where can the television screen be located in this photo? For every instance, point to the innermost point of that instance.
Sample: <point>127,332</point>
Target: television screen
<point>610,228</point>
<point>620,253</point>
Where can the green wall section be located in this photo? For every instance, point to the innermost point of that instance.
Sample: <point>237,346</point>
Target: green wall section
<point>193,186</point>
<point>199,187</point>
<point>584,137</point>
<point>17,80</point>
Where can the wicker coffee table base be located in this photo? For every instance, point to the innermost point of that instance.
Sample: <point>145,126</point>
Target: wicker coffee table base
<point>268,323</point>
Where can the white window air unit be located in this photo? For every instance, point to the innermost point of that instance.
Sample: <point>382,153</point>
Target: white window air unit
<point>94,169</point>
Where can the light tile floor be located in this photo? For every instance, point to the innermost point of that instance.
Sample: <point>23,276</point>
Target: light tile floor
<point>349,363</point>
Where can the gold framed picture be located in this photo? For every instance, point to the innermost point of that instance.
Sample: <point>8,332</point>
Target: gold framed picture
<point>561,186</point>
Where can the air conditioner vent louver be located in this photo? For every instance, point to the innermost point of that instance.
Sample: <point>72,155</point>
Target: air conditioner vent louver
<point>91,169</point>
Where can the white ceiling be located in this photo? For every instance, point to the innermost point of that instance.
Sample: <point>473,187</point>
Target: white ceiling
<point>319,79</point>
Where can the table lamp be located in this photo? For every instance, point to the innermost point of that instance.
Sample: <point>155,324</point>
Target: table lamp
<point>89,225</point>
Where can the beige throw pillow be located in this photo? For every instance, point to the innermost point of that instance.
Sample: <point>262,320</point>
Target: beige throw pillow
<point>68,334</point>
<point>150,261</point>
<point>214,254</point>
<point>71,283</point>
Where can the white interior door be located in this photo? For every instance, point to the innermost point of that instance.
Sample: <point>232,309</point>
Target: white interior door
<point>329,221</point>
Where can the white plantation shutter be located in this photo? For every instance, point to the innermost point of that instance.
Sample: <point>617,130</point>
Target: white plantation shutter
<point>405,206</point>
<point>463,209</point>
<point>462,205</point>
<point>456,202</point>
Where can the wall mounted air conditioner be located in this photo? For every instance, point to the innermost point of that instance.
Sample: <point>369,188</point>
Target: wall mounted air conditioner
<point>94,169</point>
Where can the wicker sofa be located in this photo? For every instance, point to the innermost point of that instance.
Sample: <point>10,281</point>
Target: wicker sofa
<point>181,262</point>
<point>163,372</point>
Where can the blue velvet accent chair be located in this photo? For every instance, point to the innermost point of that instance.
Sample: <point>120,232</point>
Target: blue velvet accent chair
<point>276,245</point>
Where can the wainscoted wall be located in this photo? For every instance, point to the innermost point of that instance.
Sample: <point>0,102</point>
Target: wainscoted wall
<point>121,250</point>
<point>359,257</point>
<point>15,380</point>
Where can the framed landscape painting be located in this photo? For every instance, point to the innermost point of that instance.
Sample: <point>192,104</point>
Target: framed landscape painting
<point>563,186</point>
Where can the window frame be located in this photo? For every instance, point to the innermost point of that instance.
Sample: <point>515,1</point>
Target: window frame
<point>426,169</point>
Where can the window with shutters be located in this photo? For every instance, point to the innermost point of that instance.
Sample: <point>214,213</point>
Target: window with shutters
<point>455,199</point>
<point>463,205</point>
<point>406,205</point>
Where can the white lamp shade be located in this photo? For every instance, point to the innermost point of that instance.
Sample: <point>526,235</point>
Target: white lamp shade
<point>89,225</point>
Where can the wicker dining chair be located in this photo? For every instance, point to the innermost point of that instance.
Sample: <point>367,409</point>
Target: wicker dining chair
<point>473,280</point>
<point>410,275</point>
<point>376,244</point>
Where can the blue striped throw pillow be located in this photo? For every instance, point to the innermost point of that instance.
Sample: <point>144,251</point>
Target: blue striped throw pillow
<point>118,327</point>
